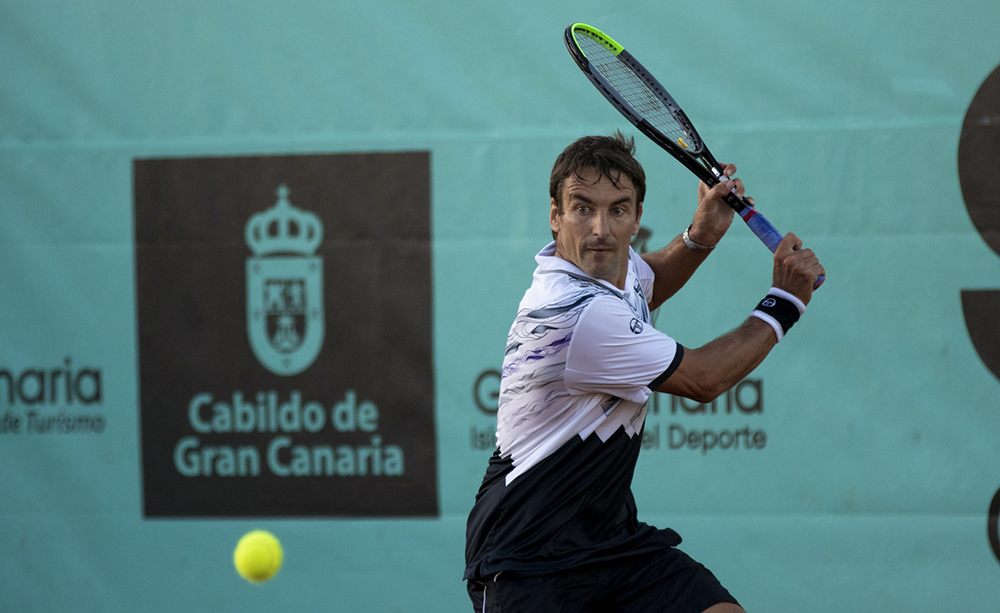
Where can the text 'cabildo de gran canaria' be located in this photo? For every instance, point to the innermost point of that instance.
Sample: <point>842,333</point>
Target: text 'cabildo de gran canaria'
<point>363,453</point>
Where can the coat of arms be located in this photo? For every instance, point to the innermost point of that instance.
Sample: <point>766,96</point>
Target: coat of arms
<point>285,319</point>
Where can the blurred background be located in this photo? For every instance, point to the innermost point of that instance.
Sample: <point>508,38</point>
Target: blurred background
<point>149,417</point>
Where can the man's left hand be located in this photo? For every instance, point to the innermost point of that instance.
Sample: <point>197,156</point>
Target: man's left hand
<point>713,216</point>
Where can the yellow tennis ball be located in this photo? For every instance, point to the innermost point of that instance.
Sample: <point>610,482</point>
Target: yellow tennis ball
<point>258,556</point>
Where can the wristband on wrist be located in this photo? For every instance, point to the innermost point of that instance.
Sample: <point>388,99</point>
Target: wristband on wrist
<point>780,310</point>
<point>693,245</point>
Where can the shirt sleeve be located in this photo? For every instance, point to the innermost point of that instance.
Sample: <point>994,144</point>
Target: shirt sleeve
<point>613,352</point>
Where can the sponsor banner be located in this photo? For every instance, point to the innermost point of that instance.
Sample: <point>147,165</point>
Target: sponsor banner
<point>284,314</point>
<point>59,399</point>
<point>978,159</point>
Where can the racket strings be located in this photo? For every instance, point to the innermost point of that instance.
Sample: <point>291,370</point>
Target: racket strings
<point>635,91</point>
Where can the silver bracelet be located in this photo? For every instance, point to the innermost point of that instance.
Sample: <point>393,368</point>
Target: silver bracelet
<point>693,245</point>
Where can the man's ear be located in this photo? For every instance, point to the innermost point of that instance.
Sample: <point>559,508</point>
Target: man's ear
<point>554,215</point>
<point>638,218</point>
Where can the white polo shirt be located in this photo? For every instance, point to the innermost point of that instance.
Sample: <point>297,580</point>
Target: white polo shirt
<point>582,358</point>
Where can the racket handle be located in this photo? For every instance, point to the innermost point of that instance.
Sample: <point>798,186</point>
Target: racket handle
<point>767,233</point>
<point>760,226</point>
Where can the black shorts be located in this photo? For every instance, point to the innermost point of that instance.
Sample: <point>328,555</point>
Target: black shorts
<point>663,581</point>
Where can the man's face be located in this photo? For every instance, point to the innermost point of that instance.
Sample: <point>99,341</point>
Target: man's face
<point>596,225</point>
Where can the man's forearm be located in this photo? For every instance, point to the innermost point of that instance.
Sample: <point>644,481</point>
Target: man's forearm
<point>707,372</point>
<point>673,265</point>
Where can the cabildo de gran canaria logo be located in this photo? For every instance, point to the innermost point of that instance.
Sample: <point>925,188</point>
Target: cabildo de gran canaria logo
<point>267,333</point>
<point>285,321</point>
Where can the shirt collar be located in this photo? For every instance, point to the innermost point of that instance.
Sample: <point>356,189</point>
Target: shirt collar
<point>549,262</point>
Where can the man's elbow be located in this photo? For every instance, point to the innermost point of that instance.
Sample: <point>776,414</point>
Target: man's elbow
<point>705,394</point>
<point>703,389</point>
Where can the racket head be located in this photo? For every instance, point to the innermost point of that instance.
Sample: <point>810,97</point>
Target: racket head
<point>638,95</point>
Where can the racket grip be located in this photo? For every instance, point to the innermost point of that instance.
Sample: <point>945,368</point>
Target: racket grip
<point>768,234</point>
<point>760,226</point>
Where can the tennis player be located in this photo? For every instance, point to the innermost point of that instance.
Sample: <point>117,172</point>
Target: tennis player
<point>554,527</point>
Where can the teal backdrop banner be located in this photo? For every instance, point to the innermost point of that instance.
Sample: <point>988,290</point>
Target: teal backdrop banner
<point>258,262</point>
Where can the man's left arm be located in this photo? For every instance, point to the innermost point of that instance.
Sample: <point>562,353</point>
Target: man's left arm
<point>674,264</point>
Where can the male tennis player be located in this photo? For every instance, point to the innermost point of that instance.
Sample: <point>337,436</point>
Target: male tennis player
<point>554,526</point>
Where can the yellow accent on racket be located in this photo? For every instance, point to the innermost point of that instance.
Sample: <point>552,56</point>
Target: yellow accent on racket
<point>594,34</point>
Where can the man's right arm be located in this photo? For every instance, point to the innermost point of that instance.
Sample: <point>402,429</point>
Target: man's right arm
<point>708,371</point>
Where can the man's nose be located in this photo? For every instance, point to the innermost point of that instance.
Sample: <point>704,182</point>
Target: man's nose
<point>600,226</point>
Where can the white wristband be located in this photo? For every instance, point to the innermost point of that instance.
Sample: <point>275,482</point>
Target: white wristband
<point>780,310</point>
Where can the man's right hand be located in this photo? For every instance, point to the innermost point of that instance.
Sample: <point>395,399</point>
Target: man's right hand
<point>796,269</point>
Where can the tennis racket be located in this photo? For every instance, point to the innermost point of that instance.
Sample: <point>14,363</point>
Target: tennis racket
<point>649,107</point>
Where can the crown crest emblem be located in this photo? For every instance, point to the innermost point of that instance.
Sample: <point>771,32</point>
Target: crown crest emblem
<point>283,228</point>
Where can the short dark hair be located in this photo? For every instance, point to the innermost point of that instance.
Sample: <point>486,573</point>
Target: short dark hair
<point>611,156</point>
